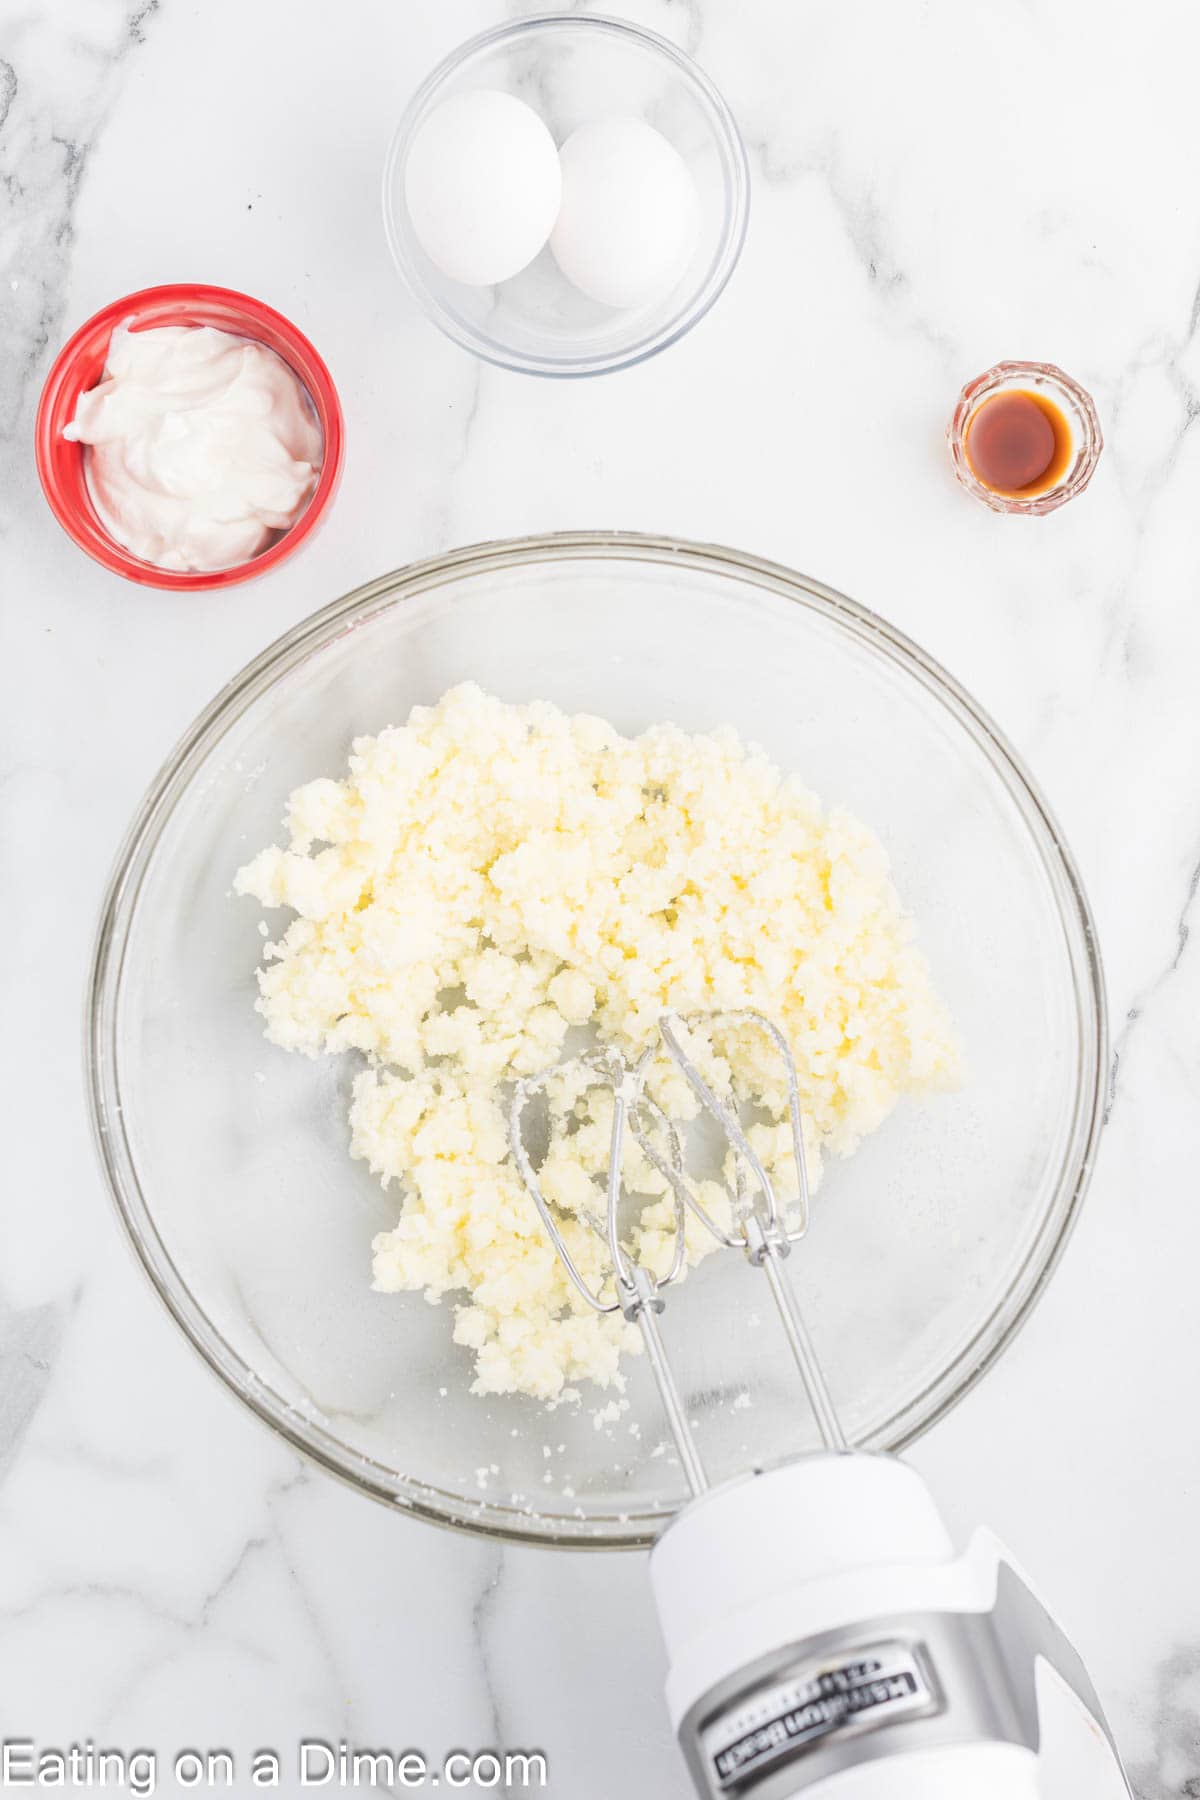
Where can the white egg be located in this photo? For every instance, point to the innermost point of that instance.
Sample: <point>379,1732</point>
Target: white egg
<point>627,219</point>
<point>482,183</point>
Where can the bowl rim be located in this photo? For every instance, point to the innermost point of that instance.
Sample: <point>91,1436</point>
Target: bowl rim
<point>635,1529</point>
<point>168,299</point>
<point>721,268</point>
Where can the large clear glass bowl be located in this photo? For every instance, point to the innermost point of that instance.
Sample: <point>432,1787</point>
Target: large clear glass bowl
<point>228,1157</point>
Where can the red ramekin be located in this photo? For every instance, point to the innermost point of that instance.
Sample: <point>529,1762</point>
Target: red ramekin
<point>79,366</point>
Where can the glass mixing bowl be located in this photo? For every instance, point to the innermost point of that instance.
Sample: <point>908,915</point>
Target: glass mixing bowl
<point>228,1157</point>
<point>572,68</point>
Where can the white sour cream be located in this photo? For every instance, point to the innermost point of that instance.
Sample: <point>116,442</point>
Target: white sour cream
<point>203,446</point>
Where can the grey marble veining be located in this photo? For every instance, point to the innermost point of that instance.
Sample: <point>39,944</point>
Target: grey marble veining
<point>168,1573</point>
<point>61,71</point>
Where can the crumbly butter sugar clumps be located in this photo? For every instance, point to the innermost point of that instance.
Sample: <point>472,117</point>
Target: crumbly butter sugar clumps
<point>487,877</point>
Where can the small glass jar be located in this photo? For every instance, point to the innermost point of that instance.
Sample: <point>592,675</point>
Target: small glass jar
<point>1066,397</point>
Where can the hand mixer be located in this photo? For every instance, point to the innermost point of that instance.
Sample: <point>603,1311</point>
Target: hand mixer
<point>824,1639</point>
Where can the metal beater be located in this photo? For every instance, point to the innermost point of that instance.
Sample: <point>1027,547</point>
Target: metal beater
<point>760,1227</point>
<point>824,1639</point>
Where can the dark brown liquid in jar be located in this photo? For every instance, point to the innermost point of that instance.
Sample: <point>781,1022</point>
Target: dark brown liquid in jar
<point>1018,442</point>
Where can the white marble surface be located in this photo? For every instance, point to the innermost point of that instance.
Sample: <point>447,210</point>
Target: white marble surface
<point>935,186</point>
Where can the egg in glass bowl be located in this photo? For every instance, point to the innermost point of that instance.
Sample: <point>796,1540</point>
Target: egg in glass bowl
<point>667,126</point>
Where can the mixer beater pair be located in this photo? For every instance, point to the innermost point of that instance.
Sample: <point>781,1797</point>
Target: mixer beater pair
<point>824,1638</point>
<point>761,1226</point>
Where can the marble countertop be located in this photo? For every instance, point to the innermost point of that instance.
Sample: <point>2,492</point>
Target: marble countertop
<point>936,186</point>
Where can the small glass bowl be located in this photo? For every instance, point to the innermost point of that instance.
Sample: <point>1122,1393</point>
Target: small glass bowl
<point>573,68</point>
<point>79,366</point>
<point>1073,402</point>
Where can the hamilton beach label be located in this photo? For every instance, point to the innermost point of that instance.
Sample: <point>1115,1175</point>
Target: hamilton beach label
<point>874,1687</point>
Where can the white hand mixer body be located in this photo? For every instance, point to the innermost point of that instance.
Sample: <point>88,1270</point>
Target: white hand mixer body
<point>858,1658</point>
<point>823,1638</point>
